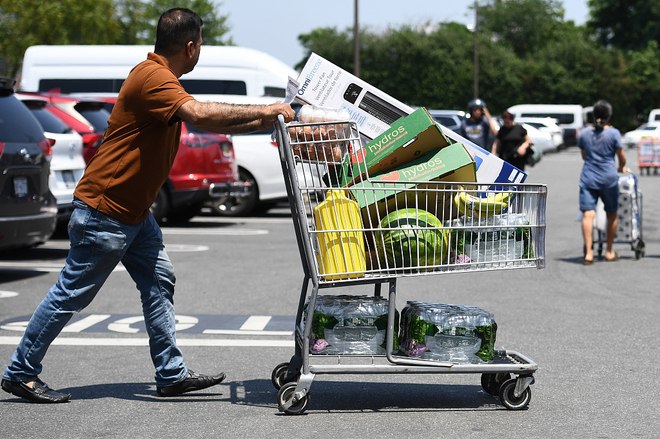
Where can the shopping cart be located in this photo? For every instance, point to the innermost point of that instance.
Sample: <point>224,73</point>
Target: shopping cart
<point>629,218</point>
<point>341,246</point>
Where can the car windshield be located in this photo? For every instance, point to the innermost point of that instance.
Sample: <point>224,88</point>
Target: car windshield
<point>95,114</point>
<point>17,123</point>
<point>445,120</point>
<point>50,122</point>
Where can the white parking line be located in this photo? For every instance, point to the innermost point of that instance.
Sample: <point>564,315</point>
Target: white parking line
<point>208,232</point>
<point>255,323</point>
<point>116,342</point>
<point>7,294</point>
<point>244,332</point>
<point>49,267</point>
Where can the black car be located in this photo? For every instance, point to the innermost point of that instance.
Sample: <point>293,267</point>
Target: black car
<point>28,210</point>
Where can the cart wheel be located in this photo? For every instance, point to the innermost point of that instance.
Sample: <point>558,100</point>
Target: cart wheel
<point>640,250</point>
<point>509,400</point>
<point>278,377</point>
<point>491,382</point>
<point>285,393</point>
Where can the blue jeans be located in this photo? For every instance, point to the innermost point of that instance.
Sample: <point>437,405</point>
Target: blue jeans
<point>98,244</point>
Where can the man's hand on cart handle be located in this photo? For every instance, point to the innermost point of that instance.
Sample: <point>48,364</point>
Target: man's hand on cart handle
<point>283,109</point>
<point>270,113</point>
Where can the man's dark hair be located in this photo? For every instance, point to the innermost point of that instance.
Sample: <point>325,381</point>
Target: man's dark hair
<point>177,27</point>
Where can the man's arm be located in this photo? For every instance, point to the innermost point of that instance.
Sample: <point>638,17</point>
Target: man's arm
<point>232,119</point>
<point>491,122</point>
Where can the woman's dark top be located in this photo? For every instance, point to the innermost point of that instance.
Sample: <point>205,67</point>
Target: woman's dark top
<point>510,139</point>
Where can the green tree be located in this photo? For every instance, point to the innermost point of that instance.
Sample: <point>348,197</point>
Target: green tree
<point>526,25</point>
<point>430,65</point>
<point>643,69</point>
<point>334,45</point>
<point>629,24</point>
<point>215,25</point>
<point>24,23</point>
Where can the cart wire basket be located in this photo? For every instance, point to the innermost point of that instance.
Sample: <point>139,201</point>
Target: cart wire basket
<point>351,230</point>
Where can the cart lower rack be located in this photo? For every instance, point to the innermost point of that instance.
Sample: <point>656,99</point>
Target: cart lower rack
<point>353,230</point>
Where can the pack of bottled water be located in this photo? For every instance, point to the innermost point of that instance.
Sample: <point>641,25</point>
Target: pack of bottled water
<point>445,332</point>
<point>346,324</point>
<point>505,238</point>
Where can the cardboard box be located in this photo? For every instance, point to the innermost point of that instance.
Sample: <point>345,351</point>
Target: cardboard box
<point>324,84</point>
<point>490,168</point>
<point>406,140</point>
<point>379,195</point>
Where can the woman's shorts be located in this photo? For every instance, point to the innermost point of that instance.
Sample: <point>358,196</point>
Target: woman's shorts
<point>610,197</point>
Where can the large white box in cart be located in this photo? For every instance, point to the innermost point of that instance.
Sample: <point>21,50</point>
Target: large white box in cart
<point>324,84</point>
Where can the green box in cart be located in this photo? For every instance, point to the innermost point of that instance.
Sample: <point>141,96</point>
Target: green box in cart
<point>379,195</point>
<point>407,139</point>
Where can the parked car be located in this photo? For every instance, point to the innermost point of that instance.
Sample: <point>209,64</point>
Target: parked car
<point>546,125</point>
<point>87,117</point>
<point>632,138</point>
<point>28,209</point>
<point>448,118</point>
<point>540,139</point>
<point>569,116</point>
<point>67,164</point>
<point>204,169</point>
<point>654,116</point>
<point>260,169</point>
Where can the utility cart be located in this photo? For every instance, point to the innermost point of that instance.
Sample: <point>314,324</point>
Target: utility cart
<point>648,155</point>
<point>355,230</point>
<point>629,218</point>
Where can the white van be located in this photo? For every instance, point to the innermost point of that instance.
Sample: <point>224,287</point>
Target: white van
<point>654,116</point>
<point>101,70</point>
<point>570,117</point>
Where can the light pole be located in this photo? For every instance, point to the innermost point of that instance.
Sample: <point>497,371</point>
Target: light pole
<point>356,42</point>
<point>476,49</point>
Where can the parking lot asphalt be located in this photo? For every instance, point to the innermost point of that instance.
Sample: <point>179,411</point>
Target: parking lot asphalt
<point>591,329</point>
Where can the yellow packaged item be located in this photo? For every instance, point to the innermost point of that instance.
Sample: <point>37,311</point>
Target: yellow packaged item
<point>340,238</point>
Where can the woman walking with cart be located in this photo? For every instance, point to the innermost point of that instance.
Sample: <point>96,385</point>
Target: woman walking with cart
<point>599,177</point>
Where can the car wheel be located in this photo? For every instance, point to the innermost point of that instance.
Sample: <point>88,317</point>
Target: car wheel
<point>184,214</point>
<point>161,207</point>
<point>243,206</point>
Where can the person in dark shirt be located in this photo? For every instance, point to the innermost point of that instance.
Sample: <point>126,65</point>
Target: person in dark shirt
<point>512,142</point>
<point>479,126</point>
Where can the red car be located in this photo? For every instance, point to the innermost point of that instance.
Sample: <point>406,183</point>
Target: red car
<point>204,168</point>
